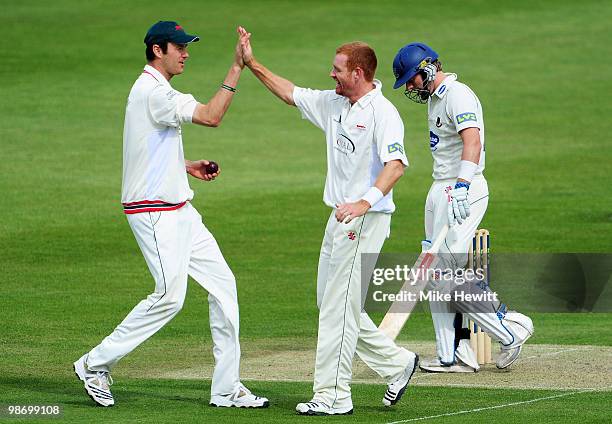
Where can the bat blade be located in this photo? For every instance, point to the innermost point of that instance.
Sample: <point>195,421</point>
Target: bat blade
<point>400,310</point>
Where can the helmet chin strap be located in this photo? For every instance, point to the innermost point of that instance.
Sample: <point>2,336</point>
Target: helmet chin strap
<point>430,76</point>
<point>430,73</point>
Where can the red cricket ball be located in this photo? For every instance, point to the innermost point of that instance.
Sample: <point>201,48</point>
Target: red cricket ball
<point>212,167</point>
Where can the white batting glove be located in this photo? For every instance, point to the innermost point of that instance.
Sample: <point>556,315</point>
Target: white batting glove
<point>425,245</point>
<point>459,206</point>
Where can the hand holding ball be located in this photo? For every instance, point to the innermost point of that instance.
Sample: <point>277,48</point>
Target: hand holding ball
<point>203,169</point>
<point>211,168</point>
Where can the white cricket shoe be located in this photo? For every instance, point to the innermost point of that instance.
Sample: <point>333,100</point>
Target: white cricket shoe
<point>319,408</point>
<point>521,328</point>
<point>241,398</point>
<point>435,365</point>
<point>396,389</point>
<point>97,383</point>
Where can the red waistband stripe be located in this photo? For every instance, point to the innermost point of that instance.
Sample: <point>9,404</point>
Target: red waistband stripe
<point>150,206</point>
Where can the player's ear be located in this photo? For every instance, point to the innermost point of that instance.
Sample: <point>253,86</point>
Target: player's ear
<point>157,51</point>
<point>357,73</point>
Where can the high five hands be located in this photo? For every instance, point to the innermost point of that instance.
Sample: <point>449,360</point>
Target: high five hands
<point>244,46</point>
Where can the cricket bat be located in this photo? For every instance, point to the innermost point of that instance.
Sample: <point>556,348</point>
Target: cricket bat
<point>400,310</point>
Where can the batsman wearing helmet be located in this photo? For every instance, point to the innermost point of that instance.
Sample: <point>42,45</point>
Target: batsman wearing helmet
<point>457,143</point>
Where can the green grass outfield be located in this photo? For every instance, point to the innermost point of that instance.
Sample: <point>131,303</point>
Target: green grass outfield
<point>72,270</point>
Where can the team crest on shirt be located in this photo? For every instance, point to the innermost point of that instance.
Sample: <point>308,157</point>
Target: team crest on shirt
<point>467,116</point>
<point>352,235</point>
<point>433,141</point>
<point>344,144</point>
<point>395,147</point>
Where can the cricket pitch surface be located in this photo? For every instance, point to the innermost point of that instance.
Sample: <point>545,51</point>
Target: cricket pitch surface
<point>554,367</point>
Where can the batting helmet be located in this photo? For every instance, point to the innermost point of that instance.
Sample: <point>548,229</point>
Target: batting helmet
<point>410,60</point>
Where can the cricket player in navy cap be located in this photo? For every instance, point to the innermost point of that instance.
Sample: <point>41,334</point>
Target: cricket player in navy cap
<point>174,241</point>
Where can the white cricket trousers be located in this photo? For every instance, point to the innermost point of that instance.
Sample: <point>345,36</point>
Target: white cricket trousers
<point>176,244</point>
<point>343,328</point>
<point>454,254</point>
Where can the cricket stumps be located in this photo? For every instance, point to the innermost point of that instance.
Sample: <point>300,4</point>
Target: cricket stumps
<point>478,258</point>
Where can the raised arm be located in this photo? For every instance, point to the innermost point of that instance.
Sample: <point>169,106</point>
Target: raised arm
<point>210,114</point>
<point>281,87</point>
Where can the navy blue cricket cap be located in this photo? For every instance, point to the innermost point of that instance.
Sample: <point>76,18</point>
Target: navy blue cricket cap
<point>168,31</point>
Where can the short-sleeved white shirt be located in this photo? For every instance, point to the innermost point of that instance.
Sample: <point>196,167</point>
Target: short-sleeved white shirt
<point>154,176</point>
<point>360,139</point>
<point>452,107</point>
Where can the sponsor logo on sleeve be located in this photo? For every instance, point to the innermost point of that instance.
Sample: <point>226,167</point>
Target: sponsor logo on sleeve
<point>467,116</point>
<point>395,147</point>
<point>433,141</point>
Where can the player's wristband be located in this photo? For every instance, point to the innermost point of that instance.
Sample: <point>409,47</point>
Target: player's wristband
<point>228,88</point>
<point>373,196</point>
<point>460,184</point>
<point>467,170</point>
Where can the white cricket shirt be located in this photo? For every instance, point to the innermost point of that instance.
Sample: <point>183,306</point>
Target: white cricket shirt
<point>360,139</point>
<point>451,108</point>
<point>154,175</point>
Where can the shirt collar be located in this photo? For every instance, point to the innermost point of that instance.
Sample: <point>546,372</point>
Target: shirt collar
<point>370,95</point>
<point>152,72</point>
<point>443,88</point>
